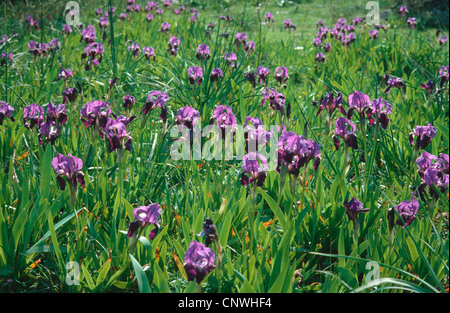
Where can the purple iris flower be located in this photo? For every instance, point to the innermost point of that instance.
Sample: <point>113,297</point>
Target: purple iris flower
<point>353,208</point>
<point>123,16</point>
<point>411,22</point>
<point>277,100</point>
<point>144,216</point>
<point>203,52</point>
<point>249,47</point>
<point>357,20</point>
<point>394,82</point>
<point>281,74</point>
<point>360,103</point>
<point>269,17</point>
<point>373,33</point>
<point>57,113</point>
<point>195,75</point>
<point>103,22</point>
<point>425,161</point>
<point>70,94</point>
<point>429,86</point>
<point>33,114</point>
<point>95,114</point>
<point>254,167</point>
<point>88,34</point>
<point>64,74</point>
<point>128,101</point>
<point>320,23</point>
<point>156,99</point>
<point>231,58</point>
<point>380,109</point>
<point>174,42</point>
<point>317,41</point>
<point>117,135</point>
<point>48,130</point>
<point>444,75</point>
<point>289,25</point>
<point>224,118</point>
<point>94,54</point>
<point>134,48</point>
<point>255,134</point>
<point>434,171</point>
<point>289,146</point>
<point>442,40</point>
<point>149,52</point>
<point>320,57</point>
<point>6,112</point>
<point>331,103</point>
<point>187,117</point>
<point>5,57</point>
<point>423,134</point>
<point>209,231</point>
<point>216,73</point>
<point>198,261</point>
<point>403,11</point>
<point>348,135</point>
<point>149,17</point>
<point>251,77</point>
<point>327,47</point>
<point>407,212</point>
<point>98,12</point>
<point>165,27</point>
<point>70,167</point>
<point>262,73</point>
<point>240,39</point>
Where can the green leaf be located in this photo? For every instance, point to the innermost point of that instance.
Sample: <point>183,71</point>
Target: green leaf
<point>141,277</point>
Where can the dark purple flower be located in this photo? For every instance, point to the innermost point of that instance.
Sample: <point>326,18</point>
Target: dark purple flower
<point>165,27</point>
<point>411,22</point>
<point>240,39</point>
<point>48,130</point>
<point>429,86</point>
<point>373,33</point>
<point>134,48</point>
<point>33,114</point>
<point>231,58</point>
<point>357,20</point>
<point>290,145</point>
<point>66,29</point>
<point>149,17</point>
<point>209,231</point>
<point>174,42</point>
<point>117,135</point>
<point>262,73</point>
<point>224,118</point>
<point>103,22</point>
<point>442,40</point>
<point>353,208</point>
<point>195,75</point>
<point>249,47</point>
<point>88,34</point>
<point>254,167</point>
<point>95,114</point>
<point>149,52</point>
<point>128,101</point>
<point>330,104</point>
<point>317,41</point>
<point>94,54</point>
<point>348,135</point>
<point>187,117</point>
<point>403,11</point>
<point>203,52</point>
<point>64,74</point>
<point>57,113</point>
<point>6,111</point>
<point>423,134</point>
<point>145,216</point>
<point>407,212</point>
<point>156,99</point>
<point>70,167</point>
<point>281,74</point>
<point>251,77</point>
<point>360,103</point>
<point>216,74</point>
<point>327,47</point>
<point>289,25</point>
<point>255,134</point>
<point>70,94</point>
<point>269,17</point>
<point>394,82</point>
<point>320,57</point>
<point>444,75</point>
<point>380,109</point>
<point>277,100</point>
<point>198,261</point>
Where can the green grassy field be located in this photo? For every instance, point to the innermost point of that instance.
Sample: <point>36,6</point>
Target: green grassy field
<point>292,234</point>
